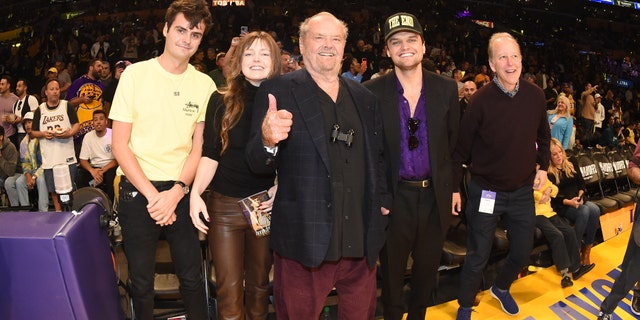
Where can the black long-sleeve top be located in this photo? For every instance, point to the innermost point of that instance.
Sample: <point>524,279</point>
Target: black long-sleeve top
<point>502,137</point>
<point>568,188</point>
<point>233,177</point>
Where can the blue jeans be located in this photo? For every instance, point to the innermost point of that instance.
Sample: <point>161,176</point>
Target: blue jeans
<point>518,212</point>
<point>18,192</point>
<point>586,219</point>
<point>12,193</point>
<point>140,236</point>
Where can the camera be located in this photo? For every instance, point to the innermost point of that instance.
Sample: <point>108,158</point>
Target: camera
<point>244,29</point>
<point>121,64</point>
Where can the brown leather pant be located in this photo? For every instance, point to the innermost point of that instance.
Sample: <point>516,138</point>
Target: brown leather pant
<point>239,258</point>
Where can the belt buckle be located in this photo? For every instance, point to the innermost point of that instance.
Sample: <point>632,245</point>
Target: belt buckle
<point>425,183</point>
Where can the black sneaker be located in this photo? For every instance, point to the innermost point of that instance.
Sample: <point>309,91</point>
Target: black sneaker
<point>566,282</point>
<point>604,316</point>
<point>582,271</point>
<point>635,302</point>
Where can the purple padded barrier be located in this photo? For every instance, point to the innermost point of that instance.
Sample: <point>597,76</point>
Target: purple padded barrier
<point>56,266</point>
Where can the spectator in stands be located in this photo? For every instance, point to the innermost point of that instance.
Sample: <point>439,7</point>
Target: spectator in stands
<point>542,77</point>
<point>55,123</point>
<point>84,57</point>
<point>63,77</point>
<point>600,114</point>
<point>491,127</point>
<point>561,122</point>
<point>551,93</point>
<point>364,52</point>
<point>100,48</point>
<point>157,146</point>
<point>218,75</point>
<point>531,78</point>
<point>609,135</point>
<point>221,74</point>
<point>110,90</point>
<point>7,101</point>
<point>567,90</point>
<point>85,95</point>
<point>469,88</point>
<point>482,77</point>
<point>588,111</point>
<point>288,63</point>
<point>355,69</point>
<point>285,59</point>
<point>8,161</point>
<point>630,267</point>
<point>242,260</point>
<point>413,99</point>
<point>32,176</point>
<point>457,75</point>
<point>106,76</point>
<point>52,73</point>
<point>384,67</point>
<point>560,235</point>
<point>616,109</point>
<point>210,59</point>
<point>571,202</point>
<point>200,67</point>
<point>130,46</point>
<point>97,164</point>
<point>25,103</point>
<point>629,134</point>
<point>618,131</point>
<point>608,100</point>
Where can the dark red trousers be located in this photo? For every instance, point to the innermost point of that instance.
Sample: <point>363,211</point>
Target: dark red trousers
<point>300,292</point>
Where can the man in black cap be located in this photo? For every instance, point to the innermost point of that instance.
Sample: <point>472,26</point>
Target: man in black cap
<point>421,113</point>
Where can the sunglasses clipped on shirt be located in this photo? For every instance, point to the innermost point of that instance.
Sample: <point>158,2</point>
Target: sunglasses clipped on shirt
<point>413,125</point>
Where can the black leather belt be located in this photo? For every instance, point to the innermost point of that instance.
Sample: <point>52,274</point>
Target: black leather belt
<point>418,184</point>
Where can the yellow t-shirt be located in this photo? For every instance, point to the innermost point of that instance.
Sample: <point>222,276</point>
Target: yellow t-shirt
<point>545,209</point>
<point>163,109</point>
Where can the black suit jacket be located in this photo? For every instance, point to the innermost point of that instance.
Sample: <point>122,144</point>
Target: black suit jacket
<point>443,118</point>
<point>302,216</point>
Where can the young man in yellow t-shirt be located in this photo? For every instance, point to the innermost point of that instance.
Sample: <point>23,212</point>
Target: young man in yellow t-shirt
<point>158,120</point>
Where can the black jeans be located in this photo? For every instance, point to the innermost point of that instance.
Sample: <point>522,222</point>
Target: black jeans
<point>629,275</point>
<point>140,236</point>
<point>83,177</point>
<point>518,212</point>
<point>414,229</point>
<point>562,240</point>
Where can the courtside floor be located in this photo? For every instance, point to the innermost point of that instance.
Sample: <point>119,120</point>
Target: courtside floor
<point>540,296</point>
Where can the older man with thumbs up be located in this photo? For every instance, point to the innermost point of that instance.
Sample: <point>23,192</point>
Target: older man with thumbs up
<point>323,135</point>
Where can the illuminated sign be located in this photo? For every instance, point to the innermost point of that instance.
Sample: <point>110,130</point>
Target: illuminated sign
<point>222,3</point>
<point>620,3</point>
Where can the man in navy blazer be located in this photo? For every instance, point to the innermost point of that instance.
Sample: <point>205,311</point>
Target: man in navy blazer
<point>421,116</point>
<point>323,135</point>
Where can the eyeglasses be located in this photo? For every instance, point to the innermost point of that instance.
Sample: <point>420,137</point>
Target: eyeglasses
<point>412,124</point>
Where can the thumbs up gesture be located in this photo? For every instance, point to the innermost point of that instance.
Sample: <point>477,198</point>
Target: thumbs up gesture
<point>276,124</point>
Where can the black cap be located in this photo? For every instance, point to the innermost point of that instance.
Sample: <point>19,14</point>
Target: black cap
<point>401,21</point>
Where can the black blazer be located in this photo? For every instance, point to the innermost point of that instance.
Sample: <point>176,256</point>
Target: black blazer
<point>302,217</point>
<point>443,119</point>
